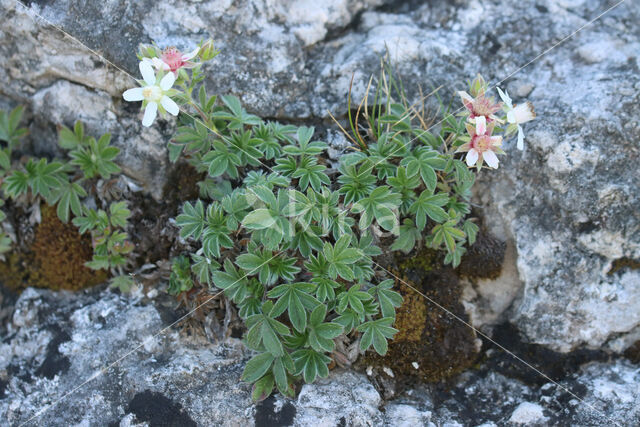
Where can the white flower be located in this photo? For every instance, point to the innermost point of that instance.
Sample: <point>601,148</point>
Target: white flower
<point>517,115</point>
<point>153,94</point>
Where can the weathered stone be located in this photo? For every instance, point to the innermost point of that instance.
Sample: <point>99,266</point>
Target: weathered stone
<point>96,358</point>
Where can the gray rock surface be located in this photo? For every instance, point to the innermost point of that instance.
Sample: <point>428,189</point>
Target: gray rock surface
<point>93,358</point>
<point>568,206</point>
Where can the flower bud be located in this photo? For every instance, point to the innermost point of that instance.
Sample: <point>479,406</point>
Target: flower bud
<point>478,86</point>
<point>208,51</point>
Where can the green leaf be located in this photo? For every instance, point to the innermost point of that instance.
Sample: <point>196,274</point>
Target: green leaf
<point>257,367</point>
<point>262,388</point>
<point>68,198</point>
<point>354,299</point>
<point>471,230</point>
<point>259,219</point>
<point>429,204</point>
<point>380,204</point>
<point>264,331</point>
<point>376,333</point>
<point>388,298</point>
<point>311,364</point>
<point>192,220</point>
<point>9,131</point>
<point>321,334</point>
<point>296,299</point>
<point>340,258</point>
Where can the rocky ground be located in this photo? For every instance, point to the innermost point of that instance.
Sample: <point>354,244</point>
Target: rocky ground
<point>567,298</point>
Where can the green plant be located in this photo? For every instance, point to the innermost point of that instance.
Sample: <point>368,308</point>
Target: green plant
<point>292,243</point>
<point>66,184</point>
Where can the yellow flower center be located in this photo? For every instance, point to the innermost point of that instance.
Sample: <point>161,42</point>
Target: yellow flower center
<point>152,93</point>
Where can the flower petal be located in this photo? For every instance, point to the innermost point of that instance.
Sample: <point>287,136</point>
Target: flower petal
<point>147,73</point>
<point>520,138</point>
<point>134,94</point>
<point>150,114</point>
<point>169,105</point>
<point>505,98</point>
<point>467,100</point>
<point>491,159</point>
<point>160,64</point>
<point>472,157</point>
<point>190,55</point>
<point>167,81</point>
<point>524,113</point>
<point>496,141</point>
<point>481,125</point>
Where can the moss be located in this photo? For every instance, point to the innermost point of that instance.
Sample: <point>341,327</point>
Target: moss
<point>633,353</point>
<point>484,258</point>
<point>55,260</point>
<point>439,344</point>
<point>624,263</point>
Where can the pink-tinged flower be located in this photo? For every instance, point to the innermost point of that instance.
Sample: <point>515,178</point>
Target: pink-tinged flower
<point>153,94</point>
<point>482,146</point>
<point>172,59</point>
<point>481,106</point>
<point>517,115</point>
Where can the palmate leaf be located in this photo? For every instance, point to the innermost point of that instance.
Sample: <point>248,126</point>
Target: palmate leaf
<point>245,147</point>
<point>264,331</point>
<point>407,237</point>
<point>43,177</point>
<point>447,233</point>
<point>118,214</point>
<point>321,334</point>
<point>471,230</point>
<point>203,267</point>
<point>95,157</point>
<point>221,159</point>
<point>267,266</point>
<point>381,205</point>
<point>424,162</point>
<point>311,364</point>
<point>68,198</point>
<point>192,220</point>
<point>354,299</point>
<point>215,234</point>
<point>9,130</point>
<point>16,184</point>
<point>296,299</point>
<point>404,185</point>
<point>273,369</point>
<point>233,281</point>
<point>72,139</point>
<point>304,146</point>
<point>429,204</point>
<point>356,183</point>
<point>268,143</point>
<point>309,172</point>
<point>325,288</point>
<point>388,299</point>
<point>340,257</point>
<point>376,333</point>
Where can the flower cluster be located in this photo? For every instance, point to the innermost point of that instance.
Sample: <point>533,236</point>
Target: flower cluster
<point>156,90</point>
<point>481,145</point>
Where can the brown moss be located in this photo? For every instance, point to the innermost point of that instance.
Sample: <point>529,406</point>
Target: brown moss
<point>624,263</point>
<point>55,260</point>
<point>438,343</point>
<point>633,353</point>
<point>484,258</point>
